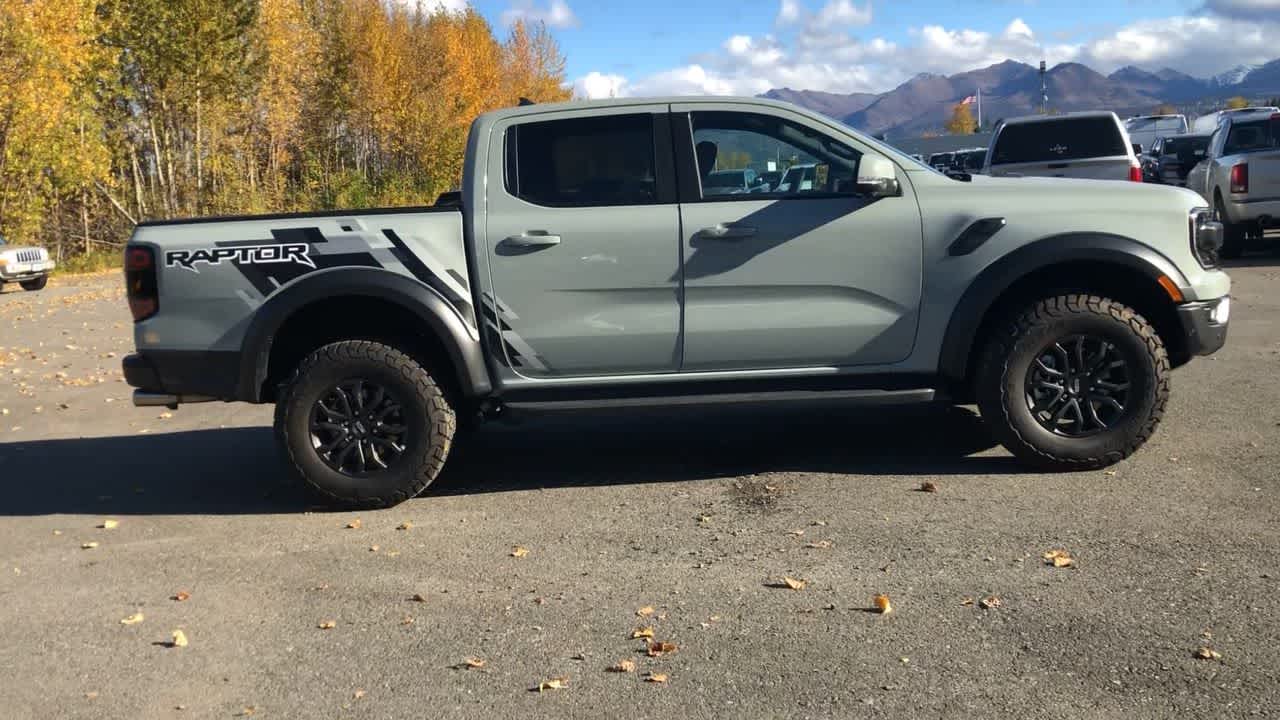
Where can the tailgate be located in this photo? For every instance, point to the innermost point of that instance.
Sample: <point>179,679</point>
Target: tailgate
<point>1106,168</point>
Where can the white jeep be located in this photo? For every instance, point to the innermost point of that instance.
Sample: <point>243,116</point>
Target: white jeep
<point>27,266</point>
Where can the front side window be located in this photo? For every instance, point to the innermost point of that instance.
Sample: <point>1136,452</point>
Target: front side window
<point>582,162</point>
<point>747,155</point>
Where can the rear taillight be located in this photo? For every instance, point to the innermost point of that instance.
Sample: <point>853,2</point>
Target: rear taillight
<point>1135,173</point>
<point>1240,178</point>
<point>140,281</point>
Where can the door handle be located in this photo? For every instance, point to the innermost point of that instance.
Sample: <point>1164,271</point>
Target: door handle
<point>533,238</point>
<point>727,232</point>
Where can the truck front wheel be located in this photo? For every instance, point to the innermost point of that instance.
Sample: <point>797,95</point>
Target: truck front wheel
<point>364,424</point>
<point>37,284</point>
<point>1074,382</point>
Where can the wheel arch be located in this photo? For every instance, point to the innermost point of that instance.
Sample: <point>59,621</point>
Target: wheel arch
<point>1107,264</point>
<point>384,301</point>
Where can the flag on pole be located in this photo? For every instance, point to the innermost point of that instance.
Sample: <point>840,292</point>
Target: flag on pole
<point>969,100</point>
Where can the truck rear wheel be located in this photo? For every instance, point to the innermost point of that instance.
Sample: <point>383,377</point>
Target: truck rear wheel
<point>1233,234</point>
<point>364,424</point>
<point>1074,382</point>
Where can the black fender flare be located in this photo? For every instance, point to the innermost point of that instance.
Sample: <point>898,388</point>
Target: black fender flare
<point>461,342</point>
<point>968,315</point>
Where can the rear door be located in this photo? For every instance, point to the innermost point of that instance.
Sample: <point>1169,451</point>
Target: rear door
<point>582,235</point>
<point>813,275</point>
<point>1069,147</point>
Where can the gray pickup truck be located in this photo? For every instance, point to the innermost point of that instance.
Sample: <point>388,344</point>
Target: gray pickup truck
<point>585,265</point>
<point>1240,177</point>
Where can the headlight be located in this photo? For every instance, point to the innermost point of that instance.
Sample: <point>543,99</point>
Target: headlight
<point>1206,237</point>
<point>1220,314</point>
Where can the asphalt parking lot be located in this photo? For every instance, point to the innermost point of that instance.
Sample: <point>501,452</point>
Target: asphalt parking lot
<point>698,517</point>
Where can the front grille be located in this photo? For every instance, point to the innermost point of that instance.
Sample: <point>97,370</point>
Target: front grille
<point>28,256</point>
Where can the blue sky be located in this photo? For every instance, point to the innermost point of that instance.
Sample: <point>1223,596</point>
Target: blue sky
<point>746,46</point>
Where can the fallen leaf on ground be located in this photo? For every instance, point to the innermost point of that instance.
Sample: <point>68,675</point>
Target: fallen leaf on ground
<point>133,619</point>
<point>327,625</point>
<point>358,694</point>
<point>1059,558</point>
<point>794,583</point>
<point>109,524</point>
<point>1206,653</point>
<point>966,601</point>
<point>89,545</point>
<point>404,525</point>
<point>882,604</point>
<point>559,683</point>
<point>991,601</point>
<point>408,620</point>
<point>623,666</point>
<point>645,611</point>
<point>418,597</point>
<point>660,648</point>
<point>819,545</point>
<point>181,596</point>
<point>644,632</point>
<point>354,524</point>
<point>928,487</point>
<point>519,551</point>
<point>179,639</point>
<point>374,548</point>
<point>654,677</point>
<point>797,533</point>
<point>247,711</point>
<point>473,663</point>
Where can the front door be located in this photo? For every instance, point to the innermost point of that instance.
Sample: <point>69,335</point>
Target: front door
<point>582,236</point>
<point>800,270</point>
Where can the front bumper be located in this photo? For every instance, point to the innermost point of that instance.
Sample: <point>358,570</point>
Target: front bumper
<point>1205,324</point>
<point>21,272</point>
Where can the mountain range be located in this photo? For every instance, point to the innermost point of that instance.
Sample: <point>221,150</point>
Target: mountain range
<point>1012,88</point>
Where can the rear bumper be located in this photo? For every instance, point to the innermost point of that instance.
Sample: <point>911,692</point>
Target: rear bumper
<point>1251,211</point>
<point>1205,325</point>
<point>184,373</point>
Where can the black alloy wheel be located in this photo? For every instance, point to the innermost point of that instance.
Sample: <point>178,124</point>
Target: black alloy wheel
<point>1078,386</point>
<point>358,427</point>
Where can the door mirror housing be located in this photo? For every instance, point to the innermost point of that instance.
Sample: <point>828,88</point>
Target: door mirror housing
<point>877,177</point>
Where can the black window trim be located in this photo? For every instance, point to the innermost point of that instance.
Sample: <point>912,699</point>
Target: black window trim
<point>690,185</point>
<point>665,191</point>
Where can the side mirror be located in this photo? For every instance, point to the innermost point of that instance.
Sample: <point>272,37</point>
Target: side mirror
<point>877,177</point>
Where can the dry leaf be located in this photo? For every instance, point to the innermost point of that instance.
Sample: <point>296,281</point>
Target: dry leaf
<point>179,639</point>
<point>1059,558</point>
<point>882,604</point>
<point>418,597</point>
<point>1206,653</point>
<point>181,596</point>
<point>623,666</point>
<point>133,619</point>
<point>408,620</point>
<point>374,548</point>
<point>660,648</point>
<point>644,632</point>
<point>928,487</point>
<point>354,524</point>
<point>247,711</point>
<point>966,601</point>
<point>991,601</point>
<point>404,525</point>
<point>109,524</point>
<point>89,545</point>
<point>327,625</point>
<point>358,694</point>
<point>797,533</point>
<point>473,663</point>
<point>519,551</point>
<point>819,544</point>
<point>645,611</point>
<point>654,677</point>
<point>559,683</point>
<point>793,583</point>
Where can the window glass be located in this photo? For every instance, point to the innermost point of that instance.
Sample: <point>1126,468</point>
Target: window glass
<point>607,160</point>
<point>750,155</point>
<point>1186,147</point>
<point>1058,140</point>
<point>1252,136</point>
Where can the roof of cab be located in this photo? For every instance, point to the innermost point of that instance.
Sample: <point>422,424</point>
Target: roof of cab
<point>539,108</point>
<point>1023,119</point>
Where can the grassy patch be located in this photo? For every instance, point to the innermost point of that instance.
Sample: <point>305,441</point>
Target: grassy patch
<point>96,261</point>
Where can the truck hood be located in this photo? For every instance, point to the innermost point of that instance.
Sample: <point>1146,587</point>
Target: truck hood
<point>1106,193</point>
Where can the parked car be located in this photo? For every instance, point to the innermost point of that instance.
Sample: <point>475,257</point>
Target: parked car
<point>1145,130</point>
<point>971,161</point>
<point>1209,123</point>
<point>1171,159</point>
<point>731,182</point>
<point>1240,178</point>
<point>942,161</point>
<point>585,267</point>
<point>1090,145</point>
<point>28,266</point>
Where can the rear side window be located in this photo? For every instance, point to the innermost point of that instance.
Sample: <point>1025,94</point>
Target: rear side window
<point>607,160</point>
<point>1055,140</point>
<point>1252,136</point>
<point>1189,147</point>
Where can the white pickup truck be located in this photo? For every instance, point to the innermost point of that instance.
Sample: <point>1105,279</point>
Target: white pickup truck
<point>1240,177</point>
<point>27,266</point>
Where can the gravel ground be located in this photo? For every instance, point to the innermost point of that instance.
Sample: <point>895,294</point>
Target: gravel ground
<point>698,516</point>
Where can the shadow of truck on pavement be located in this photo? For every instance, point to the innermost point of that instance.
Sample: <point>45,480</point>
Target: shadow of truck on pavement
<point>238,470</point>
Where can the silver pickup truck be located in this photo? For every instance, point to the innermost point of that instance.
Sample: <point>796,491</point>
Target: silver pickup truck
<point>585,264</point>
<point>28,266</point>
<point>1240,177</point>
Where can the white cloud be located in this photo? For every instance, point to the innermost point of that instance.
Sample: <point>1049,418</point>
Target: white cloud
<point>789,12</point>
<point>1260,9</point>
<point>556,14</point>
<point>844,12</point>
<point>596,85</point>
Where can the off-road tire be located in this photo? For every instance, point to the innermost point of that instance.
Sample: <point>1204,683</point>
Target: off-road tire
<point>34,285</point>
<point>430,419</point>
<point>1012,348</point>
<point>1234,238</point>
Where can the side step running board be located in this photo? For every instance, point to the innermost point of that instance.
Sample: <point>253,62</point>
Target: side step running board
<point>856,397</point>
